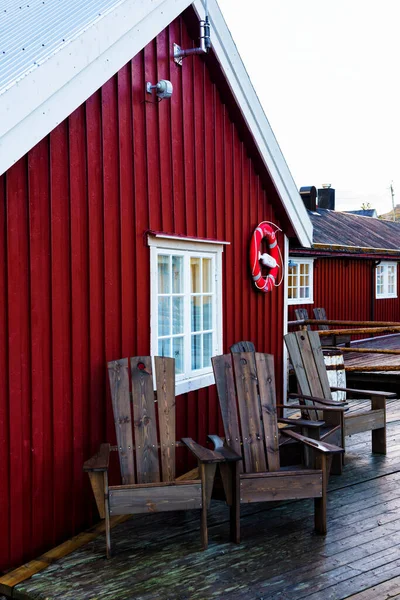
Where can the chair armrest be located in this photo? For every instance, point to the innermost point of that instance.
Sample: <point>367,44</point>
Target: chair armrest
<point>365,392</point>
<point>319,446</point>
<point>319,400</point>
<point>315,407</point>
<point>302,423</point>
<point>203,455</point>
<point>227,452</point>
<point>98,462</point>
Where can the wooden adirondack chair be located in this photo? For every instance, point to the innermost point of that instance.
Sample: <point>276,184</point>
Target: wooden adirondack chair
<point>243,346</point>
<point>290,450</point>
<point>153,488</point>
<point>334,340</point>
<point>247,380</point>
<point>307,358</point>
<point>302,315</point>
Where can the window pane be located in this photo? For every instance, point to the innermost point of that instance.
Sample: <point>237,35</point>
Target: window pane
<point>163,274</point>
<point>177,344</point>
<point>177,314</point>
<point>196,352</point>
<point>196,313</point>
<point>177,274</point>
<point>195,275</point>
<point>207,275</point>
<point>164,347</point>
<point>207,312</point>
<point>207,349</point>
<point>164,315</point>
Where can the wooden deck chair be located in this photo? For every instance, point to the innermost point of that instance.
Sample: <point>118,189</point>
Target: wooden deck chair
<point>147,462</point>
<point>246,381</point>
<point>307,358</point>
<point>334,340</point>
<point>243,346</point>
<point>290,449</point>
<point>302,315</point>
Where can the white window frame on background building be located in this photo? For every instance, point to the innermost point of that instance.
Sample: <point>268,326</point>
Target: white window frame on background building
<point>204,252</point>
<point>386,280</point>
<point>301,299</point>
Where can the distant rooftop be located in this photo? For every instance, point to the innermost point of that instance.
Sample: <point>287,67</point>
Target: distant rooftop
<point>368,212</point>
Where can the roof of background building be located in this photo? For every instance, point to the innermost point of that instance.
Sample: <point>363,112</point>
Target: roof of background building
<point>338,229</point>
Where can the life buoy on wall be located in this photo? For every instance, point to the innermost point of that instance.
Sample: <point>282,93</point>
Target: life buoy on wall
<point>264,284</point>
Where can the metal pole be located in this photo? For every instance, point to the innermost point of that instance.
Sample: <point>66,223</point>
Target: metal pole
<point>392,193</point>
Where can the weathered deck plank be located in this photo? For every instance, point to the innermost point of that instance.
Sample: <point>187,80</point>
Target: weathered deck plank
<point>280,557</point>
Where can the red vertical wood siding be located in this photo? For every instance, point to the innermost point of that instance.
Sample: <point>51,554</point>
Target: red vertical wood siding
<point>74,274</point>
<point>344,288</point>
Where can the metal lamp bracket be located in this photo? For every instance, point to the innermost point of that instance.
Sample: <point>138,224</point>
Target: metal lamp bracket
<point>177,57</point>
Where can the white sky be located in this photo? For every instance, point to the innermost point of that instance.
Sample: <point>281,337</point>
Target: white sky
<point>327,73</point>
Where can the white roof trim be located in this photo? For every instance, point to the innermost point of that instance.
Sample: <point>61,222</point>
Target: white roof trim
<point>37,103</point>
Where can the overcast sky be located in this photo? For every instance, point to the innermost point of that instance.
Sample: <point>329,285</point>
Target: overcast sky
<point>327,73</point>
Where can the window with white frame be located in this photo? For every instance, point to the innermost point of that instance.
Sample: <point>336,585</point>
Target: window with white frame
<point>386,280</point>
<point>300,280</point>
<point>186,307</point>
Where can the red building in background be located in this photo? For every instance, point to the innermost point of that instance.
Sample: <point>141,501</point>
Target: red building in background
<point>125,222</point>
<point>351,269</point>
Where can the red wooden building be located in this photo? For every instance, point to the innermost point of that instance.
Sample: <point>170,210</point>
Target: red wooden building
<point>125,222</point>
<point>351,269</point>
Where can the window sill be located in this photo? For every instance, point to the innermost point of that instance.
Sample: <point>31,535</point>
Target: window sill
<point>386,296</point>
<point>195,383</point>
<point>300,301</point>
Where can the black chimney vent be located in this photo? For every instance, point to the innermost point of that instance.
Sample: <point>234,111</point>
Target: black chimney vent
<point>326,198</point>
<point>309,197</point>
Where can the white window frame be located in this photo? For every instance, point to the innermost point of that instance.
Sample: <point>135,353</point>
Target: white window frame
<point>308,261</point>
<point>186,247</point>
<point>385,266</point>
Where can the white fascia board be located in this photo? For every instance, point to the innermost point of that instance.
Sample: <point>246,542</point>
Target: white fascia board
<point>253,113</point>
<point>38,102</point>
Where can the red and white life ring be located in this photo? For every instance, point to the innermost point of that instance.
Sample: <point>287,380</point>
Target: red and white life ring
<point>263,230</point>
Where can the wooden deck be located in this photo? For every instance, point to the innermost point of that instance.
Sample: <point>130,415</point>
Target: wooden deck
<point>378,380</point>
<point>280,558</point>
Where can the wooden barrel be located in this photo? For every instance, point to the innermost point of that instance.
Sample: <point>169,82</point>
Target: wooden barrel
<point>336,373</point>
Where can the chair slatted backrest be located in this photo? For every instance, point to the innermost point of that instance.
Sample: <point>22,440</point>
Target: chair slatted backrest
<point>302,315</point>
<point>307,359</point>
<point>243,347</point>
<point>135,417</point>
<point>254,396</point>
<point>320,314</point>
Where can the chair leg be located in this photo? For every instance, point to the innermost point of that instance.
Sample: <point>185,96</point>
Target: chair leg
<point>337,464</point>
<point>230,474</point>
<point>234,509</point>
<point>207,473</point>
<point>107,516</point>
<point>379,435</point>
<point>324,463</point>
